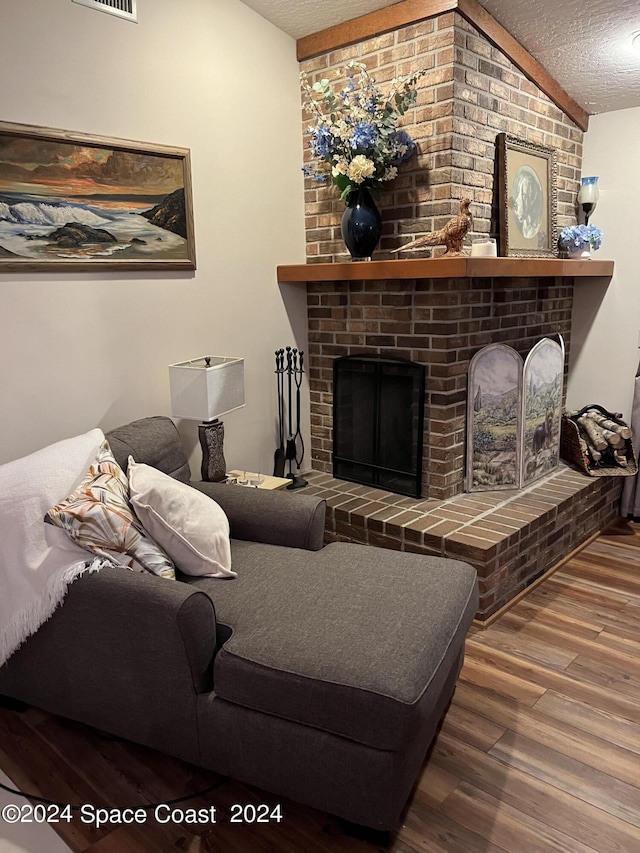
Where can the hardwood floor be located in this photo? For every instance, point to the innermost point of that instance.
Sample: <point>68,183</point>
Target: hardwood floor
<point>540,749</point>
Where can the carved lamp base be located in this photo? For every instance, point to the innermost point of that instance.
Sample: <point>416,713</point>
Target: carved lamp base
<point>211,434</point>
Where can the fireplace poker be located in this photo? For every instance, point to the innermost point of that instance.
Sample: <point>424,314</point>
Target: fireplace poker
<point>298,369</point>
<point>290,453</point>
<point>279,456</point>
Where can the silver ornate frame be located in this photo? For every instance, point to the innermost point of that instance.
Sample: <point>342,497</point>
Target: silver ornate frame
<point>512,242</point>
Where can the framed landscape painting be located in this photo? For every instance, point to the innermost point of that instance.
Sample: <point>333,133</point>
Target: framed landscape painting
<point>527,196</point>
<point>71,202</point>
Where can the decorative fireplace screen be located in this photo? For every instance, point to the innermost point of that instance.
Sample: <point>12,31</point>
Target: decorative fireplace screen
<point>378,414</point>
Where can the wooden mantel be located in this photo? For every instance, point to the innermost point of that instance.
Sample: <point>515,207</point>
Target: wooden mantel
<point>461,267</point>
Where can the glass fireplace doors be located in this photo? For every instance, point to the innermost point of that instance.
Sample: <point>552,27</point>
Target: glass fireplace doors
<point>378,416</point>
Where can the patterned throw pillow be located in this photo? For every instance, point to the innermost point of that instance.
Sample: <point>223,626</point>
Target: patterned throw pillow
<point>98,517</point>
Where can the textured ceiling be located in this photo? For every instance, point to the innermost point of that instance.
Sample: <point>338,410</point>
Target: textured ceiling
<point>584,44</point>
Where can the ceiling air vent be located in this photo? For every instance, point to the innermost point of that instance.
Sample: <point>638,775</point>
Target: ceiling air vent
<point>121,8</point>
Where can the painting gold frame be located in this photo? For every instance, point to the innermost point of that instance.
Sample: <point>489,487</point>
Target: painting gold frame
<point>528,198</point>
<point>75,202</point>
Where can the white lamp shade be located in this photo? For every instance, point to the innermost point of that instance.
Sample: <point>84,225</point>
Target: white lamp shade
<point>203,392</point>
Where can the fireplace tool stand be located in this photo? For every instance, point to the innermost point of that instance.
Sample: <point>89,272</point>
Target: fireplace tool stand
<point>294,451</point>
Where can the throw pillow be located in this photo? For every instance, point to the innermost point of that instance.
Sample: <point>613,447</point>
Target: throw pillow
<point>191,527</point>
<point>98,517</point>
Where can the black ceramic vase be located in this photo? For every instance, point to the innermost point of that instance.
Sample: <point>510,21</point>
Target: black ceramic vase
<point>361,225</point>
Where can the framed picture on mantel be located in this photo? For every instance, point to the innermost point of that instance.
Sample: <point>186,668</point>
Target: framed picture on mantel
<point>527,198</point>
<point>72,202</point>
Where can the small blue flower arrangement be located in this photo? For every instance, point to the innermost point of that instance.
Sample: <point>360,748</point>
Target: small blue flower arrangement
<point>576,237</point>
<point>353,139</point>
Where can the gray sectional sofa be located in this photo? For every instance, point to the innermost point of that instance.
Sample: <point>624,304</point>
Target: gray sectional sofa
<point>320,673</point>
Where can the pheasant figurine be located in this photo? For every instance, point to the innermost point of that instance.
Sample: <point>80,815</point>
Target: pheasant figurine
<point>451,235</point>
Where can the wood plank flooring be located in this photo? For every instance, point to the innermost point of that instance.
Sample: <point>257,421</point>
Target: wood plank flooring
<point>540,749</point>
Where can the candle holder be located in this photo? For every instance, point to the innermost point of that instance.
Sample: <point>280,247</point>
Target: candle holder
<point>484,247</point>
<point>588,196</point>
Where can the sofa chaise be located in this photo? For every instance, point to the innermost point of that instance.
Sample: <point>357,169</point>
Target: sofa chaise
<point>319,673</point>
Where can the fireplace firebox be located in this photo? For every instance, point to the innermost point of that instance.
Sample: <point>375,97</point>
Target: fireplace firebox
<point>378,415</point>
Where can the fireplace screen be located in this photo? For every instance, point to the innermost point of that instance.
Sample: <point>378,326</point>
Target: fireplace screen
<point>378,411</point>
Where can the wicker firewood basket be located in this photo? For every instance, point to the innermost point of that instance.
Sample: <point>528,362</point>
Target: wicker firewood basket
<point>571,451</point>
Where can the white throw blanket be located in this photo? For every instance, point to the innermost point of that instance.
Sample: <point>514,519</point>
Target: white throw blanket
<point>38,561</point>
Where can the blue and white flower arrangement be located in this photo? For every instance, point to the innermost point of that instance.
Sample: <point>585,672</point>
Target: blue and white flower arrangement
<point>354,139</point>
<point>575,238</point>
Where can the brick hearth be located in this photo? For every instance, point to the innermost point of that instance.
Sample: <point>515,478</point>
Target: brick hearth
<point>511,538</point>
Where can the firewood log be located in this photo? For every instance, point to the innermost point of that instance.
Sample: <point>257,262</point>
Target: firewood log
<point>613,438</point>
<point>584,450</point>
<point>593,432</point>
<point>593,452</point>
<point>620,458</point>
<point>607,423</point>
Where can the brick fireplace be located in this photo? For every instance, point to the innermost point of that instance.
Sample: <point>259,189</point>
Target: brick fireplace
<point>438,322</point>
<point>438,313</point>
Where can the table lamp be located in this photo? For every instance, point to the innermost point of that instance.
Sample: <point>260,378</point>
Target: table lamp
<point>203,389</point>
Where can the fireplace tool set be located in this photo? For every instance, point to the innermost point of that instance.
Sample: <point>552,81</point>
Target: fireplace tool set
<point>289,363</point>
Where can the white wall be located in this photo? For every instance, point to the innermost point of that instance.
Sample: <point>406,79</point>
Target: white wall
<point>606,320</point>
<point>79,350</point>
